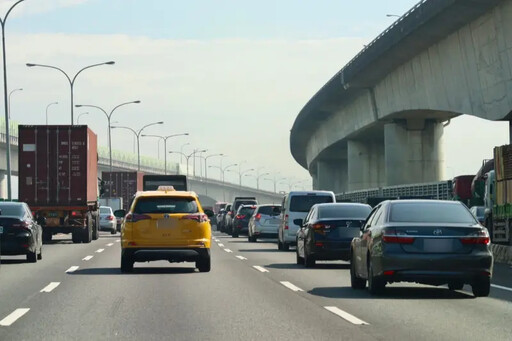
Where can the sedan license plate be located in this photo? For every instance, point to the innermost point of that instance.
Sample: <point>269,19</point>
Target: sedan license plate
<point>438,245</point>
<point>53,214</point>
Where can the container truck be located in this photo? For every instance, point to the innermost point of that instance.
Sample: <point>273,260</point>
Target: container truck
<point>122,185</point>
<point>498,196</point>
<point>58,168</point>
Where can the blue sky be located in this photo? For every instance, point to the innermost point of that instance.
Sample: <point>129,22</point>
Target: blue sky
<point>206,19</point>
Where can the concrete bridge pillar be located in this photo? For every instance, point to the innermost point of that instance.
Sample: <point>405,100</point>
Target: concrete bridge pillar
<point>331,175</point>
<point>3,184</point>
<point>413,150</point>
<point>365,164</point>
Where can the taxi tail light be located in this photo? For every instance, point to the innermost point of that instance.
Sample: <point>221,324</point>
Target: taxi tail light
<point>479,238</point>
<point>133,217</point>
<point>200,218</point>
<point>391,237</point>
<point>286,227</point>
<point>257,217</point>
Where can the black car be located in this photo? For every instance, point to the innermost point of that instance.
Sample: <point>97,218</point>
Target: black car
<point>328,230</point>
<point>224,219</point>
<point>218,218</point>
<point>20,233</point>
<point>230,217</point>
<point>431,242</point>
<point>241,220</point>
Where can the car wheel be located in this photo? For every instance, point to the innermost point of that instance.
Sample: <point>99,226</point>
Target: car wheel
<point>279,245</point>
<point>455,285</point>
<point>355,282</point>
<point>300,260</point>
<point>204,264</point>
<point>286,246</point>
<point>234,235</point>
<point>47,236</point>
<point>32,257</point>
<point>126,262</point>
<point>375,285</point>
<point>40,254</point>
<point>113,231</point>
<point>481,287</point>
<point>309,260</point>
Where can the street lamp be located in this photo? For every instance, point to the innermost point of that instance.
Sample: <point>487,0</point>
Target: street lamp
<point>241,174</point>
<point>187,157</point>
<point>222,171</point>
<point>181,150</point>
<point>137,135</point>
<point>78,118</point>
<point>258,177</point>
<point>9,104</point>
<point>206,169</point>
<point>71,81</point>
<point>109,117</point>
<point>165,138</point>
<point>6,105</point>
<point>392,15</point>
<point>49,105</point>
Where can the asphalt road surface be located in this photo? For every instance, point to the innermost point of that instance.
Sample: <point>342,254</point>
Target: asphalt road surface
<point>254,292</point>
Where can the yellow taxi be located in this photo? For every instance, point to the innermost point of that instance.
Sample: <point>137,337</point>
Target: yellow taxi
<point>166,225</point>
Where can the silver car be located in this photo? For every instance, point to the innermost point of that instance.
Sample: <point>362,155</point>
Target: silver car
<point>264,222</point>
<point>107,220</point>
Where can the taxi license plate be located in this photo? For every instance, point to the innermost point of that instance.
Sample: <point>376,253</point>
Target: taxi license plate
<point>165,223</point>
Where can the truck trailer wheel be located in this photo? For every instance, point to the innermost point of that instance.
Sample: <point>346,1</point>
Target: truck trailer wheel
<point>87,232</point>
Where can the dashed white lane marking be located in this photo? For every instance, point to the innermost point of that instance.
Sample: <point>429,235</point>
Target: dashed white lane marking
<point>291,286</point>
<point>118,240</point>
<point>100,250</point>
<point>228,250</point>
<point>346,316</point>
<point>11,318</point>
<point>72,269</point>
<point>110,244</point>
<point>241,257</point>
<point>50,287</point>
<point>87,258</point>
<point>260,268</point>
<point>221,245</point>
<point>501,287</point>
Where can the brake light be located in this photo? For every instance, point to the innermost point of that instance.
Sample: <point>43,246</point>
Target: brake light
<point>321,226</point>
<point>134,217</point>
<point>389,273</point>
<point>257,217</point>
<point>76,213</point>
<point>286,227</point>
<point>200,218</point>
<point>240,216</point>
<point>480,238</point>
<point>319,244</point>
<point>110,217</point>
<point>25,225</point>
<point>397,239</point>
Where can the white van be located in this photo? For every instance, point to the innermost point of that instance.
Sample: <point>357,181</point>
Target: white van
<point>296,205</point>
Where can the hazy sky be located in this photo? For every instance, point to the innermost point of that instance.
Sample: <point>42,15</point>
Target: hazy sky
<point>234,74</point>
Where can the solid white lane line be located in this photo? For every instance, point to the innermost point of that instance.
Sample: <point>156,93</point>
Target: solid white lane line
<point>87,258</point>
<point>110,244</point>
<point>100,250</point>
<point>241,257</point>
<point>291,286</point>
<point>221,245</point>
<point>72,269</point>
<point>346,316</point>
<point>260,268</point>
<point>50,287</point>
<point>228,250</point>
<point>501,287</point>
<point>11,318</point>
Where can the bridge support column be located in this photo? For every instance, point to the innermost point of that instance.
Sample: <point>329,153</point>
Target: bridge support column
<point>331,175</point>
<point>365,165</point>
<point>3,184</point>
<point>413,152</point>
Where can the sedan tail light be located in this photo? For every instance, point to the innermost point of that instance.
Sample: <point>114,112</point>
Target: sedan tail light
<point>321,226</point>
<point>110,217</point>
<point>24,225</point>
<point>200,218</point>
<point>479,238</point>
<point>257,217</point>
<point>134,217</point>
<point>391,237</point>
<point>240,216</point>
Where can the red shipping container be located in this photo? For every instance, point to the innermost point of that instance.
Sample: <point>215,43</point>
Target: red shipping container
<point>58,165</point>
<point>124,185</point>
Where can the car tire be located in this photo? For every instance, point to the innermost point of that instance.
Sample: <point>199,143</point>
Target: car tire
<point>309,260</point>
<point>279,245</point>
<point>32,257</point>
<point>203,264</point>
<point>113,231</point>
<point>375,285</point>
<point>285,246</point>
<point>40,254</point>
<point>126,262</point>
<point>355,282</point>
<point>455,286</point>
<point>481,287</point>
<point>234,235</point>
<point>47,236</point>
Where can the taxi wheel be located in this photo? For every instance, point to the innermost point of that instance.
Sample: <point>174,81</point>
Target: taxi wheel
<point>126,262</point>
<point>203,264</point>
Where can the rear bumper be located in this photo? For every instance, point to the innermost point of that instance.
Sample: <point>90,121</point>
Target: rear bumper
<point>265,234</point>
<point>108,225</point>
<point>17,246</point>
<point>258,229</point>
<point>332,250</point>
<point>434,269</point>
<point>169,254</point>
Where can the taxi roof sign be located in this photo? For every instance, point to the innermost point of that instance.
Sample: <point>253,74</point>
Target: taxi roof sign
<point>166,188</point>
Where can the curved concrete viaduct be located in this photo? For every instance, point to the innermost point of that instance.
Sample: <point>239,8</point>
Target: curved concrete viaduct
<point>379,121</point>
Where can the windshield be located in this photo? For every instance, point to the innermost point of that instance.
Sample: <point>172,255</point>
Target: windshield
<point>166,205</point>
<point>423,212</point>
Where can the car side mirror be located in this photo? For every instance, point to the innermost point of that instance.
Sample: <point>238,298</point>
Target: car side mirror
<point>119,213</point>
<point>209,213</point>
<point>298,222</point>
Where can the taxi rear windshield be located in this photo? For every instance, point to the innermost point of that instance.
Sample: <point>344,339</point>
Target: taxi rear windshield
<point>166,205</point>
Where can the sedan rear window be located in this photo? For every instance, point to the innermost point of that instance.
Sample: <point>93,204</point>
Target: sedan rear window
<point>247,211</point>
<point>303,203</point>
<point>344,211</point>
<point>270,210</point>
<point>434,212</point>
<point>13,210</point>
<point>166,205</point>
<point>104,210</point>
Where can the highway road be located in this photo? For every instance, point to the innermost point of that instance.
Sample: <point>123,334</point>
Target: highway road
<point>253,292</point>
